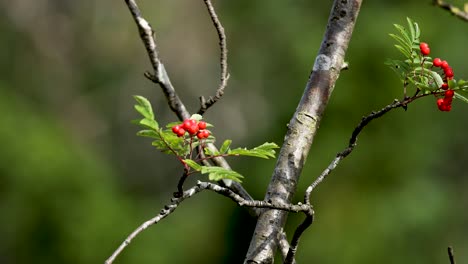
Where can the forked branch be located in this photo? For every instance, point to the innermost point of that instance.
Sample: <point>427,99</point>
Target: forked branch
<point>159,75</point>
<point>204,105</point>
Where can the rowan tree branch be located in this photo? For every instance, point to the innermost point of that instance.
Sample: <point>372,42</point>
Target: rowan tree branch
<point>161,77</point>
<point>462,14</point>
<point>204,105</point>
<point>303,127</point>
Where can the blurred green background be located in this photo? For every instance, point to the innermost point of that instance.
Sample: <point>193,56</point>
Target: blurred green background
<point>75,180</point>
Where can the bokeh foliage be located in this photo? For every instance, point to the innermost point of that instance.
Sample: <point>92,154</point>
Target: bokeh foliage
<point>75,180</point>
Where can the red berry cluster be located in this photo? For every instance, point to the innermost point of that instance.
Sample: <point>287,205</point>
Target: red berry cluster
<point>443,64</point>
<point>193,127</point>
<point>444,104</point>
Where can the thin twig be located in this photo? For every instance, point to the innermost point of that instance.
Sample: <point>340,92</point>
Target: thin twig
<point>463,15</point>
<point>341,155</point>
<point>297,235</point>
<point>223,60</point>
<point>176,201</point>
<point>253,203</point>
<point>353,140</point>
<point>159,75</point>
<point>284,246</point>
<point>168,209</point>
<point>451,255</point>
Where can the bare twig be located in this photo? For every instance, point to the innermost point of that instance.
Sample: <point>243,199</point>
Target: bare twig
<point>353,140</point>
<point>462,14</point>
<point>159,75</point>
<point>297,235</point>
<point>284,247</point>
<point>168,209</point>
<point>341,155</point>
<point>451,255</point>
<point>253,203</point>
<point>176,201</point>
<point>204,105</point>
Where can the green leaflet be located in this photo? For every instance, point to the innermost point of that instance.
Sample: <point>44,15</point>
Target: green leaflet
<point>265,151</point>
<point>219,173</point>
<point>144,107</point>
<point>225,147</point>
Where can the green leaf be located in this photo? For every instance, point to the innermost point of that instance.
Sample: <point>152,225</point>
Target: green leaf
<point>404,34</point>
<point>193,164</point>
<point>404,44</point>
<point>461,97</point>
<point>436,77</point>
<point>452,84</point>
<point>196,117</point>
<point>219,173</point>
<point>150,123</point>
<point>264,151</point>
<point>411,29</point>
<point>403,50</point>
<point>225,146</point>
<point>417,31</point>
<point>401,68</point>
<point>144,107</point>
<point>209,152</point>
<point>148,133</point>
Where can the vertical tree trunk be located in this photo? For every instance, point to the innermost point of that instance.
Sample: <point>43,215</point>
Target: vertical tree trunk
<point>302,129</point>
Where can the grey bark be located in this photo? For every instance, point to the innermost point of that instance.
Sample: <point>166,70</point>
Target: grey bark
<point>302,129</point>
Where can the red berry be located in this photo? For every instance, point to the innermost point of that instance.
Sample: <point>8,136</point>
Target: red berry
<point>444,86</point>
<point>444,105</point>
<point>437,62</point>
<point>189,123</point>
<point>193,129</point>
<point>200,134</point>
<point>181,132</point>
<point>448,72</point>
<point>425,50</point>
<point>444,64</point>
<point>447,108</point>
<point>176,129</point>
<point>448,97</point>
<point>449,94</point>
<point>441,104</point>
<point>201,125</point>
<point>203,134</point>
<point>206,133</point>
